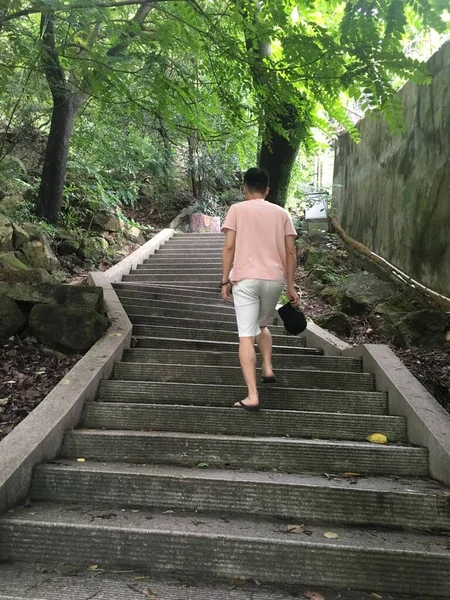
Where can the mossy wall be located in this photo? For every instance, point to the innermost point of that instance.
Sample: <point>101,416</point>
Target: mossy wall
<point>392,191</point>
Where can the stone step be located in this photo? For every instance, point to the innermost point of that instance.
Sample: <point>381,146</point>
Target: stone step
<point>148,313</point>
<point>176,291</point>
<point>302,498</point>
<point>182,245</point>
<point>222,359</point>
<point>214,420</point>
<point>207,334</point>
<point>291,378</point>
<point>234,547</point>
<point>176,269</point>
<point>188,262</point>
<point>169,296</point>
<point>168,278</point>
<point>45,581</point>
<point>271,397</point>
<point>189,283</point>
<point>176,303</point>
<point>210,322</point>
<point>191,252</point>
<point>245,452</point>
<point>166,343</point>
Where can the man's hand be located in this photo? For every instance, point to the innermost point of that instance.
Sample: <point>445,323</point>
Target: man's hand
<point>226,292</point>
<point>293,296</point>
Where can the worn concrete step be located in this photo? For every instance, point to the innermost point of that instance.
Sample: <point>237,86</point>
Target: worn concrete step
<point>45,581</point>
<point>218,335</point>
<point>177,269</point>
<point>174,296</point>
<point>189,252</point>
<point>214,420</point>
<point>210,322</point>
<point>222,359</point>
<point>165,343</point>
<point>176,304</point>
<point>190,283</point>
<point>303,498</point>
<point>157,290</point>
<point>264,453</point>
<point>148,313</point>
<point>182,277</point>
<point>271,397</point>
<point>197,246</point>
<point>215,547</point>
<point>188,262</point>
<point>291,378</point>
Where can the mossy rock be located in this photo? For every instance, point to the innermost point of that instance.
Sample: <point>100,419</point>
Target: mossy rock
<point>66,328</point>
<point>316,258</point>
<point>25,276</point>
<point>363,291</point>
<point>6,234</point>
<point>68,246</point>
<point>92,248</point>
<point>10,262</point>
<point>333,294</point>
<point>39,255</point>
<point>11,318</point>
<point>337,321</point>
<point>422,329</point>
<point>59,294</point>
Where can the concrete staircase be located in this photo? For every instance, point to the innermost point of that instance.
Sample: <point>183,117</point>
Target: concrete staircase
<point>175,480</point>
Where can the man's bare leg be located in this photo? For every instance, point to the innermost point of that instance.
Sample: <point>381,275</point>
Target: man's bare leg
<point>247,357</point>
<point>264,341</point>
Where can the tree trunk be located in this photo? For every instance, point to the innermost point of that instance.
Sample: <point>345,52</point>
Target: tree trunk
<point>50,197</point>
<point>278,153</point>
<point>278,156</point>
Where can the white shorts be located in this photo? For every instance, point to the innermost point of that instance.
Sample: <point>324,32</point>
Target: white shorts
<point>255,301</point>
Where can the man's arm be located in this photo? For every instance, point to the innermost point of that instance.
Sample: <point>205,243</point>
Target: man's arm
<point>227,261</point>
<point>291,265</point>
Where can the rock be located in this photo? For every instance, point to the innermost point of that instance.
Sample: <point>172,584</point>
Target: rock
<point>332,293</point>
<point>11,202</point>
<point>68,246</point>
<point>338,322</point>
<point>200,223</point>
<point>385,316</point>
<point>39,255</point>
<point>107,221</point>
<point>316,258</point>
<point>25,276</point>
<point>182,221</point>
<point>20,237</point>
<point>11,318</point>
<point>67,329</point>
<point>47,293</point>
<point>10,262</point>
<point>93,247</point>
<point>364,291</point>
<point>34,231</point>
<point>134,234</point>
<point>6,234</point>
<point>424,328</point>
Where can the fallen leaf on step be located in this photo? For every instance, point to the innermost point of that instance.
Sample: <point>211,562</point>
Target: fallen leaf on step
<point>331,535</point>
<point>81,460</point>
<point>447,494</point>
<point>349,474</point>
<point>141,577</point>
<point>295,529</point>
<point>238,581</point>
<point>377,438</point>
<point>202,465</point>
<point>93,568</point>
<point>376,596</point>
<point>313,596</point>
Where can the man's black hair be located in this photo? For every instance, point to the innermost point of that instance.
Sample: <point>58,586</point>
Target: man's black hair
<point>256,180</point>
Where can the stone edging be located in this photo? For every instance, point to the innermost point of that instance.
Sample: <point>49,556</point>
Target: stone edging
<point>39,436</point>
<point>428,422</point>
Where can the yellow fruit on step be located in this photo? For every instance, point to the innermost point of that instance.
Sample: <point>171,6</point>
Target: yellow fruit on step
<point>377,438</point>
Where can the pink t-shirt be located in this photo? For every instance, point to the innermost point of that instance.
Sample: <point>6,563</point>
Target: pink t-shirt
<point>260,251</point>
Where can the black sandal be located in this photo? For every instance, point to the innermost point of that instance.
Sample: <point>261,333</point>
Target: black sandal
<point>246,407</point>
<point>271,379</point>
